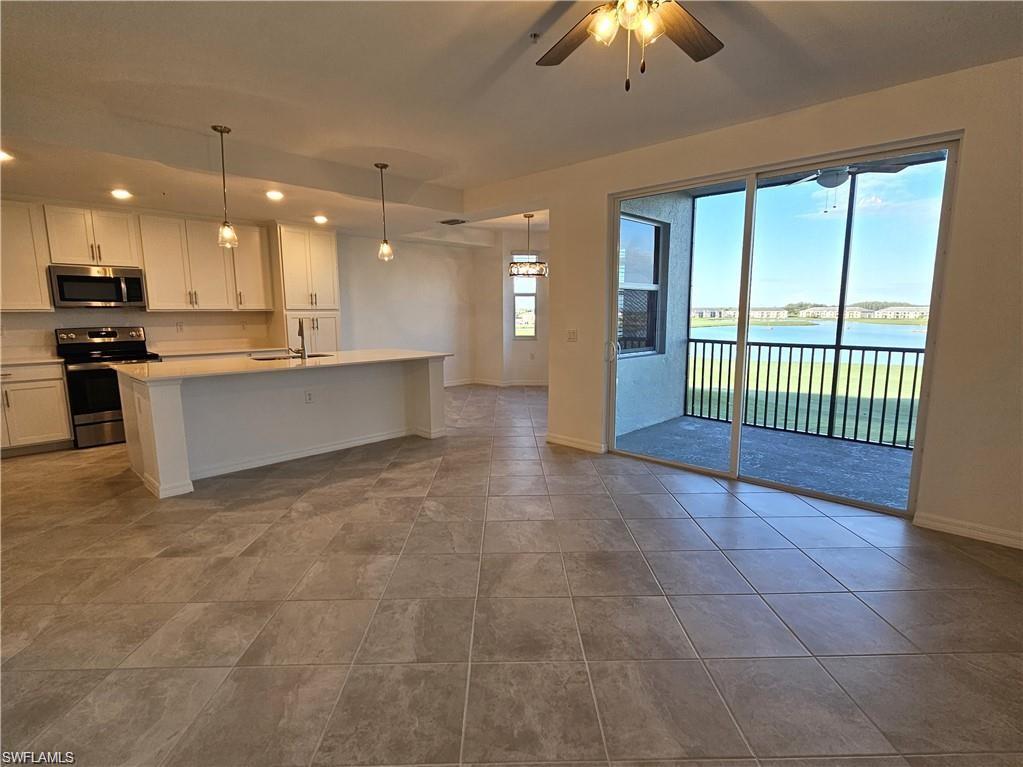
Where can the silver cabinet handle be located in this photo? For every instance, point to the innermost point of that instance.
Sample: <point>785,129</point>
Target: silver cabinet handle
<point>92,252</point>
<point>310,299</point>
<point>7,399</point>
<point>99,252</point>
<point>6,375</point>
<point>315,299</point>
<point>240,300</point>
<point>196,292</point>
<point>190,301</point>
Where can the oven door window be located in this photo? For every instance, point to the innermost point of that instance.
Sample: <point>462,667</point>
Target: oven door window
<point>93,391</point>
<point>86,289</point>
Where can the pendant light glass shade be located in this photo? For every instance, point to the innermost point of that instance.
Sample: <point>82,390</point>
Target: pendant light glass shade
<point>386,252</point>
<point>527,263</point>
<point>227,237</point>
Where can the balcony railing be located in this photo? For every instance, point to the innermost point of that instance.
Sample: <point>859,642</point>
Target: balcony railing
<point>863,393</point>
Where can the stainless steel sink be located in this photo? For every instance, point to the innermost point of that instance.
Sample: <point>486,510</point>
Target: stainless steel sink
<point>289,357</point>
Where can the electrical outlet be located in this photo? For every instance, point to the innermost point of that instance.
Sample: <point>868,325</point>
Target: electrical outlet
<point>308,398</point>
<point>573,336</point>
<point>532,356</point>
<point>179,327</point>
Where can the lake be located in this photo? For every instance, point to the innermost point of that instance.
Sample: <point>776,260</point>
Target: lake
<point>855,334</point>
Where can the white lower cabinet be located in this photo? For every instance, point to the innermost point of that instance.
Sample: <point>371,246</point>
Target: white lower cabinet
<point>35,412</point>
<point>322,332</point>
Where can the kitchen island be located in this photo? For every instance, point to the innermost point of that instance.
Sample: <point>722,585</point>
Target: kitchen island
<point>188,420</point>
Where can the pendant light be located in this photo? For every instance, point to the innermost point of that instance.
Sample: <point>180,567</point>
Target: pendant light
<point>227,237</point>
<point>532,268</point>
<point>386,252</point>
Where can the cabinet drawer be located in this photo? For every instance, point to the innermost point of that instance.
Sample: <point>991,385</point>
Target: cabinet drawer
<point>41,372</point>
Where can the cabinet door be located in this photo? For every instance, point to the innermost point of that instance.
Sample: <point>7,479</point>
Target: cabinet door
<point>116,238</point>
<point>252,269</point>
<point>326,334</point>
<point>294,342</point>
<point>295,264</point>
<point>211,268</point>
<point>36,412</point>
<point>323,269</point>
<point>23,258</point>
<point>6,441</point>
<point>165,255</point>
<point>70,234</point>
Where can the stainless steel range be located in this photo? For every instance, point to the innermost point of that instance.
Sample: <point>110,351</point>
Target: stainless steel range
<point>90,355</point>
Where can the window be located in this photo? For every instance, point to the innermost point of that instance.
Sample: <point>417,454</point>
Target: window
<point>642,266</point>
<point>524,289</point>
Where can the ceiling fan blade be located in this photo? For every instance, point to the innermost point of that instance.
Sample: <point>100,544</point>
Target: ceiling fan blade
<point>894,167</point>
<point>687,32</point>
<point>811,177</point>
<point>576,36</point>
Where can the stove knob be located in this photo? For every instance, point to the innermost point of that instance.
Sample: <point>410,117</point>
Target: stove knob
<point>71,336</point>
<point>132,333</point>
<point>62,336</point>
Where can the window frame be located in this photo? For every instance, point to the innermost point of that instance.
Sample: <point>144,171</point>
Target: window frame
<point>525,257</point>
<point>662,233</point>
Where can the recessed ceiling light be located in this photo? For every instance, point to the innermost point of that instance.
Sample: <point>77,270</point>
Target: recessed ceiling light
<point>275,195</point>
<point>4,157</point>
<point>320,219</point>
<point>121,194</point>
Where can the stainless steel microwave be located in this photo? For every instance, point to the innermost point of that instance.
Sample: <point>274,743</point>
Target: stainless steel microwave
<point>97,286</point>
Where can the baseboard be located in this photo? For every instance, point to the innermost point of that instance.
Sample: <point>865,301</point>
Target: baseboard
<point>459,382</point>
<point>496,382</point>
<point>579,444</point>
<point>290,455</point>
<point>1013,538</point>
<point>166,491</point>
<point>46,447</point>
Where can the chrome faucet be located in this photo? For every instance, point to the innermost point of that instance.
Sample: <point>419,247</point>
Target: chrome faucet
<point>301,351</point>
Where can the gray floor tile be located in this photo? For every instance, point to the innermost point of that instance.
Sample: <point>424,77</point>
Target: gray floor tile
<point>630,628</point>
<point>434,575</point>
<point>163,579</point>
<point>382,510</point>
<point>713,505</point>
<point>133,717</point>
<point>516,469</point>
<point>966,760</point>
<point>594,535</point>
<point>21,624</point>
<point>663,710</point>
<point>522,575</point>
<point>270,717</point>
<point>860,569</point>
<point>213,539</point>
<point>607,573</point>
<point>522,507</point>
<point>887,530</point>
<point>346,576</point>
<point>816,532</point>
<point>691,483</point>
<point>444,538</point>
<point>531,712</point>
<point>629,484</point>
<point>397,714</point>
<point>778,505</point>
<point>939,703</point>
<point>454,509</point>
<point>782,571</point>
<point>953,621</point>
<point>697,572</point>
<point>517,486</point>
<point>520,537</point>
<point>293,538</point>
<point>837,624</point>
<point>33,700</point>
<point>73,581</point>
<point>576,484</point>
<point>670,535</point>
<point>251,579</point>
<point>791,707</point>
<point>650,506</point>
<point>203,634</point>
<point>369,538</point>
<point>136,541</point>
<point>584,507</point>
<point>419,631</point>
<point>950,568</point>
<point>525,629</point>
<point>311,633</point>
<point>743,533</point>
<point>90,636</point>
<point>739,626</point>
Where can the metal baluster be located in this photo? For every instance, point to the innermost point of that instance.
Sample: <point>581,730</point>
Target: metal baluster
<point>859,392</point>
<point>912,397</point>
<point>728,384</point>
<point>788,387</point>
<point>845,397</point>
<point>898,398</point>
<point>873,386</point>
<point>777,388</point>
<point>756,391</point>
<point>799,389</point>
<point>884,402</point>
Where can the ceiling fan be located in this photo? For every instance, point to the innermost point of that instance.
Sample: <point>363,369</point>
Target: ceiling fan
<point>647,20</point>
<point>832,178</point>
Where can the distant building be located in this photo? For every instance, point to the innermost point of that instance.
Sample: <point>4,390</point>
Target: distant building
<point>858,313</point>
<point>714,314</point>
<point>820,312</point>
<point>768,314</point>
<point>903,313</point>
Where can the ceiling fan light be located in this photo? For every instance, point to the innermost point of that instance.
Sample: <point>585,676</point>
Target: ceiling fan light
<point>632,12</point>
<point>604,26</point>
<point>227,237</point>
<point>650,29</point>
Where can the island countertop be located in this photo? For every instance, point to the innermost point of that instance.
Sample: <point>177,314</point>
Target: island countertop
<point>205,368</point>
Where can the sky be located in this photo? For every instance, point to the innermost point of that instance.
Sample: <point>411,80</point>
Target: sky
<point>798,240</point>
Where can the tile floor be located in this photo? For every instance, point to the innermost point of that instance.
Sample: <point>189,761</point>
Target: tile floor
<point>488,598</point>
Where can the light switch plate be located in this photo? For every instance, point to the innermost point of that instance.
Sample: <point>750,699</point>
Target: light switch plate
<point>573,335</point>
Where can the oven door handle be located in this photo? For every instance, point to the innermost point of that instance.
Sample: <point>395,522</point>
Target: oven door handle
<point>88,366</point>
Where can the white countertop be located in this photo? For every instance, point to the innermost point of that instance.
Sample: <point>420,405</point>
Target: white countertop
<point>174,349</point>
<point>41,358</point>
<point>227,366</point>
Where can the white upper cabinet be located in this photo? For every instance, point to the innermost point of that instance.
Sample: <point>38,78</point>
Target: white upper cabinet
<point>23,257</point>
<point>165,254</point>
<point>253,285</point>
<point>210,267</point>
<point>323,269</point>
<point>91,237</point>
<point>309,263</point>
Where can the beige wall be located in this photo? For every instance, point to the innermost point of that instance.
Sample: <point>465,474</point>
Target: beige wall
<point>421,300</point>
<point>970,455</point>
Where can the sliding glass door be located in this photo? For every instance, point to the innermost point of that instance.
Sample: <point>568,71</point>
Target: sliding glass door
<point>828,347</point>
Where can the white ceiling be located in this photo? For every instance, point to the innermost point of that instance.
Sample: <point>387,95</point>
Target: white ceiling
<point>447,92</point>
